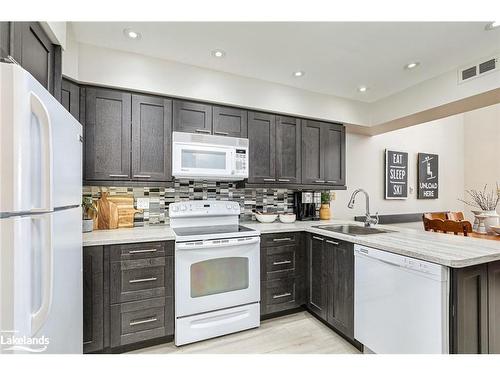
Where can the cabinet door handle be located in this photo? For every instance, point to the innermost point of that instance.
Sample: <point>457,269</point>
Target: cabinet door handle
<point>282,295</point>
<point>282,239</point>
<point>143,251</point>
<point>282,262</point>
<point>202,131</point>
<point>332,242</point>
<point>221,133</point>
<point>332,181</point>
<point>135,281</point>
<point>269,179</point>
<point>144,321</point>
<point>318,238</point>
<point>141,176</point>
<point>283,180</point>
<point>320,181</point>
<point>118,175</point>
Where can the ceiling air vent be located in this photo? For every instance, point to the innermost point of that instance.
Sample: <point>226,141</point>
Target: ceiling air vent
<point>475,71</point>
<point>469,73</point>
<point>487,66</point>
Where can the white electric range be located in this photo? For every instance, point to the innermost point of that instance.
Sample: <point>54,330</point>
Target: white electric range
<point>217,270</point>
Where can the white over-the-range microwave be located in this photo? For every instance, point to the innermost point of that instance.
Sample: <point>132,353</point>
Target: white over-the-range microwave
<point>209,157</point>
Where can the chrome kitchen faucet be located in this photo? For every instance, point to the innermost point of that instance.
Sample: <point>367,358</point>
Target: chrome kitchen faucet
<point>369,220</point>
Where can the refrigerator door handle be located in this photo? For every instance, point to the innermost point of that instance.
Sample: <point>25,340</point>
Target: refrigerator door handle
<point>38,318</point>
<point>42,114</point>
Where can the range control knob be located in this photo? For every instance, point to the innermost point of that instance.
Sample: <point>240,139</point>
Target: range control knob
<point>228,206</point>
<point>236,206</point>
<point>175,208</point>
<point>183,207</point>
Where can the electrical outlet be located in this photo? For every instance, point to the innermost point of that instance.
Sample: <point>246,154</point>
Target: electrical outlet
<point>143,203</point>
<point>333,195</point>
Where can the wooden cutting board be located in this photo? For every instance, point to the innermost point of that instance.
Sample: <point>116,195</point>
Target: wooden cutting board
<point>107,213</point>
<point>126,209</point>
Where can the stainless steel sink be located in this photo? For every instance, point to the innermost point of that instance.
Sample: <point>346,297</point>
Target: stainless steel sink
<point>352,230</point>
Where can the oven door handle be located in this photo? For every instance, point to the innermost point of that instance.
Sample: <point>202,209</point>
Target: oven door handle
<point>201,245</point>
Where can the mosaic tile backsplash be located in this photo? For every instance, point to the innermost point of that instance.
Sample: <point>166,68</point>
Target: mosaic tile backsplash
<point>265,200</point>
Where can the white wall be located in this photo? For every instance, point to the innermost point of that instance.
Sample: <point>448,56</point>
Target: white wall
<point>56,32</point>
<point>103,66</point>
<point>365,168</point>
<point>482,148</point>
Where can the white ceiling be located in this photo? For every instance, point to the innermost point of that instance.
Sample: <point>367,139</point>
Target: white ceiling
<point>337,57</point>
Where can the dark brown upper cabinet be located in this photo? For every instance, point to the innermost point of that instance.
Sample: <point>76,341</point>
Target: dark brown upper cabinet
<point>151,138</point>
<point>312,161</point>
<point>70,97</point>
<point>334,154</point>
<point>275,149</point>
<point>107,134</point>
<point>231,122</point>
<point>192,117</point>
<point>262,147</point>
<point>323,153</point>
<point>4,39</point>
<point>30,46</point>
<point>288,145</point>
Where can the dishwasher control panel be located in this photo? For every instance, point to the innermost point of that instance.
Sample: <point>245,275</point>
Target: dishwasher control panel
<point>399,260</point>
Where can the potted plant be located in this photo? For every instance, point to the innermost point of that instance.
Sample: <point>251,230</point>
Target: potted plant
<point>324,211</point>
<point>89,210</point>
<point>486,202</point>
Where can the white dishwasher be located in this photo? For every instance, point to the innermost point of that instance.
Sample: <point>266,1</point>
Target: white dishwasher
<point>400,303</point>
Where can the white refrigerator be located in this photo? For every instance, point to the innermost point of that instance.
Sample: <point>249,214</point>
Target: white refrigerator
<point>40,219</point>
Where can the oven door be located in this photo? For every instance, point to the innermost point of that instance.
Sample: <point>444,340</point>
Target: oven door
<point>216,274</point>
<point>194,160</point>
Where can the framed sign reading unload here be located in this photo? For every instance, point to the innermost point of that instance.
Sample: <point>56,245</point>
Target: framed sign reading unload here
<point>396,175</point>
<point>428,177</point>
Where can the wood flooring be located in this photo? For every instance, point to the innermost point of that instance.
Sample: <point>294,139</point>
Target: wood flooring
<point>298,333</point>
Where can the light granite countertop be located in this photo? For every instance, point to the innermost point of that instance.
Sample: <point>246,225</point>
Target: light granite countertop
<point>128,235</point>
<point>445,249</point>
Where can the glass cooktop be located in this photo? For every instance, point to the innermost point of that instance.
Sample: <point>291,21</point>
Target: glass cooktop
<point>211,230</point>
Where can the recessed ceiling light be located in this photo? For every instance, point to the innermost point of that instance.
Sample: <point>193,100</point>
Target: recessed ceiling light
<point>132,34</point>
<point>298,73</point>
<point>412,65</point>
<point>218,53</point>
<point>492,25</point>
<point>362,88</point>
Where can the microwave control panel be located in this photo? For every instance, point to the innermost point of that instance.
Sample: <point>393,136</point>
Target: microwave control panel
<point>241,161</point>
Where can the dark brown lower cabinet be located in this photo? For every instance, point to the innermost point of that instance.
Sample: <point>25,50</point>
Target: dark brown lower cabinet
<point>475,309</point>
<point>93,299</point>
<point>282,272</point>
<point>128,295</point>
<point>331,282</point>
<point>138,321</point>
<point>340,285</point>
<point>316,300</point>
<point>494,307</point>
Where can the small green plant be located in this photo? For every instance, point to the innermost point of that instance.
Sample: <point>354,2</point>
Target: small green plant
<point>88,207</point>
<point>325,197</point>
